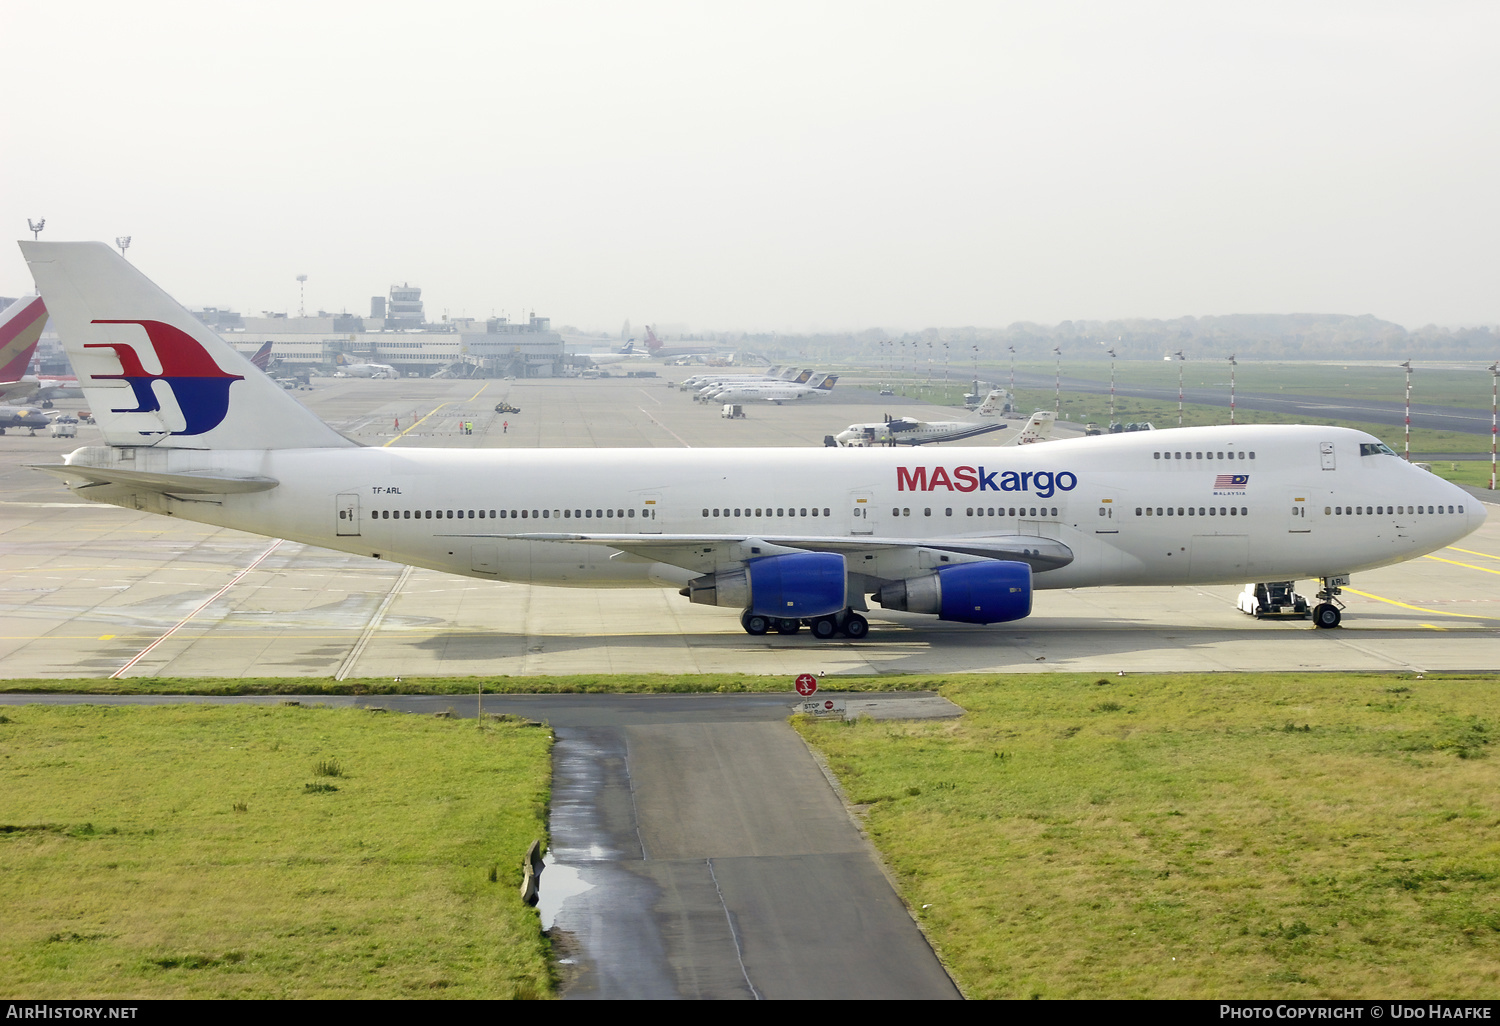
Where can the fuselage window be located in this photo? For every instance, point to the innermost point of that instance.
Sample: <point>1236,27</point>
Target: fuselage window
<point>568,513</point>
<point>630,513</point>
<point>1012,511</point>
<point>1054,511</point>
<point>927,512</point>
<point>588,514</point>
<point>1212,511</point>
<point>705,511</point>
<point>1033,511</point>
<point>1158,511</point>
<point>406,514</point>
<point>1450,509</point>
<point>815,511</point>
<point>1169,511</point>
<point>1221,455</point>
<point>1197,455</point>
<point>546,513</point>
<point>1233,510</point>
<point>757,511</point>
<point>969,512</point>
<point>906,511</point>
<point>1460,509</point>
<point>781,511</point>
<point>825,511</point>
<point>1190,511</point>
<point>523,514</point>
<point>804,511</point>
<point>895,511</point>
<point>948,512</point>
<point>716,512</point>
<point>1177,455</point>
<point>1327,510</point>
<point>1156,455</point>
<point>1244,511</point>
<point>1138,511</point>
<point>503,514</point>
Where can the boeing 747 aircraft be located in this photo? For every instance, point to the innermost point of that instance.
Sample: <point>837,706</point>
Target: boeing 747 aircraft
<point>784,537</point>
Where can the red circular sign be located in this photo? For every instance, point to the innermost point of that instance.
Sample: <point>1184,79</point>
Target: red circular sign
<point>806,684</point>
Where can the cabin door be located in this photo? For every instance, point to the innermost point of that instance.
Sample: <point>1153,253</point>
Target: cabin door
<point>1299,522</point>
<point>347,522</point>
<point>862,512</point>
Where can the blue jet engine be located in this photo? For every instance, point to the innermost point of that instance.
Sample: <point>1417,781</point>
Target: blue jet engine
<point>793,585</point>
<point>990,592</point>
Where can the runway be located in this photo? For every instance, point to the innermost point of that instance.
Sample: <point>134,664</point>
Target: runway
<point>86,589</point>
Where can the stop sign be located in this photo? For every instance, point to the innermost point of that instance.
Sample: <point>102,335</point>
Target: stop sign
<point>806,684</point>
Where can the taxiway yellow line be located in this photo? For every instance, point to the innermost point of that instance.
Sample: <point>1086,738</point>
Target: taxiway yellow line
<point>1420,609</point>
<point>439,406</point>
<point>1471,552</point>
<point>1467,566</point>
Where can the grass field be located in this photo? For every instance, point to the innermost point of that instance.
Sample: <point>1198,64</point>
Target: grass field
<point>620,683</point>
<point>192,851</point>
<point>1195,835</point>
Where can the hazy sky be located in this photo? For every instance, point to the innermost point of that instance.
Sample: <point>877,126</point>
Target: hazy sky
<point>767,165</point>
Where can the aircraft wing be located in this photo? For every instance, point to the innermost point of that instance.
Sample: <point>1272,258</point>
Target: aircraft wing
<point>12,390</point>
<point>80,479</point>
<point>705,552</point>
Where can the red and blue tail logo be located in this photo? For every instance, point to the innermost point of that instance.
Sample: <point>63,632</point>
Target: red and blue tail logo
<point>200,386</point>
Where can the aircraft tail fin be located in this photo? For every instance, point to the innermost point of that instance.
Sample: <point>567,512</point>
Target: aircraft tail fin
<point>652,342</point>
<point>153,374</point>
<point>21,326</point>
<point>262,357</point>
<point>803,378</point>
<point>988,407</point>
<point>1037,429</point>
<point>826,385</point>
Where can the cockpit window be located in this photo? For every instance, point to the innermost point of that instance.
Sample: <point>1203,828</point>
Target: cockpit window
<point>1375,449</point>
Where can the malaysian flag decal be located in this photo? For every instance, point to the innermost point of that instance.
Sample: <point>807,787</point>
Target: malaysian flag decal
<point>1231,480</point>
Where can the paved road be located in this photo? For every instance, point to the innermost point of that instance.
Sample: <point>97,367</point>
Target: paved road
<point>1311,407</point>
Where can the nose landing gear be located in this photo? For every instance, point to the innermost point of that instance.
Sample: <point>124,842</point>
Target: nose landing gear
<point>1326,614</point>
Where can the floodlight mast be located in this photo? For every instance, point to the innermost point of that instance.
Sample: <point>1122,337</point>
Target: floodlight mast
<point>1494,416</point>
<point>1181,359</point>
<point>1057,394</point>
<point>123,241</point>
<point>1112,356</point>
<point>1407,365</point>
<point>1012,375</point>
<point>1233,363</point>
<point>301,295</point>
<point>35,227</point>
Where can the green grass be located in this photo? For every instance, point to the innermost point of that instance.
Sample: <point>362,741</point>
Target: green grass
<point>193,851</point>
<point>1473,473</point>
<point>1224,836</point>
<point>622,683</point>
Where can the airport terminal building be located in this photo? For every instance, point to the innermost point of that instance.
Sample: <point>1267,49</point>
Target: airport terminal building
<point>397,333</point>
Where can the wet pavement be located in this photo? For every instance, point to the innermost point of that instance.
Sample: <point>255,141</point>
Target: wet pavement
<point>705,859</point>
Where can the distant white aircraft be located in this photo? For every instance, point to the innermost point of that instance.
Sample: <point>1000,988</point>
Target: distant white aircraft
<point>626,352</point>
<point>776,392</point>
<point>906,431</point>
<point>348,368</point>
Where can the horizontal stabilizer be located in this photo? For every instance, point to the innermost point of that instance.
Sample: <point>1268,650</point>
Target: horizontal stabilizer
<point>175,484</point>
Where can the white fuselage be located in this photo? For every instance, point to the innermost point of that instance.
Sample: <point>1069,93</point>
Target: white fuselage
<point>913,432</point>
<point>1163,508</point>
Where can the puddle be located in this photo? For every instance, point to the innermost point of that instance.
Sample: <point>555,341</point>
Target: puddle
<point>557,885</point>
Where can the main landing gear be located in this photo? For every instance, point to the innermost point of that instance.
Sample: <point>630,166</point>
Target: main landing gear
<point>848,623</point>
<point>1326,614</point>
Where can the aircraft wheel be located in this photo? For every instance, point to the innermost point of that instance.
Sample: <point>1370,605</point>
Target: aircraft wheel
<point>788,626</point>
<point>856,626</point>
<point>755,624</point>
<point>1327,615</point>
<point>824,627</point>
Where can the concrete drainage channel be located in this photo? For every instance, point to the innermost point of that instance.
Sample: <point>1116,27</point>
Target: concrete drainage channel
<point>698,849</point>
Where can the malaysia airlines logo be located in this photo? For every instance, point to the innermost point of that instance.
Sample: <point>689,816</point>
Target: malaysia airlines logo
<point>1230,483</point>
<point>200,386</point>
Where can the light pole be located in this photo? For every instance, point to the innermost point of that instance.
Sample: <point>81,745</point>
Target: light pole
<point>946,353</point>
<point>1012,377</point>
<point>123,241</point>
<point>1407,365</point>
<point>35,227</point>
<point>1180,361</point>
<point>1232,365</point>
<point>1057,394</point>
<point>1112,355</point>
<point>302,295</point>
<point>1494,421</point>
